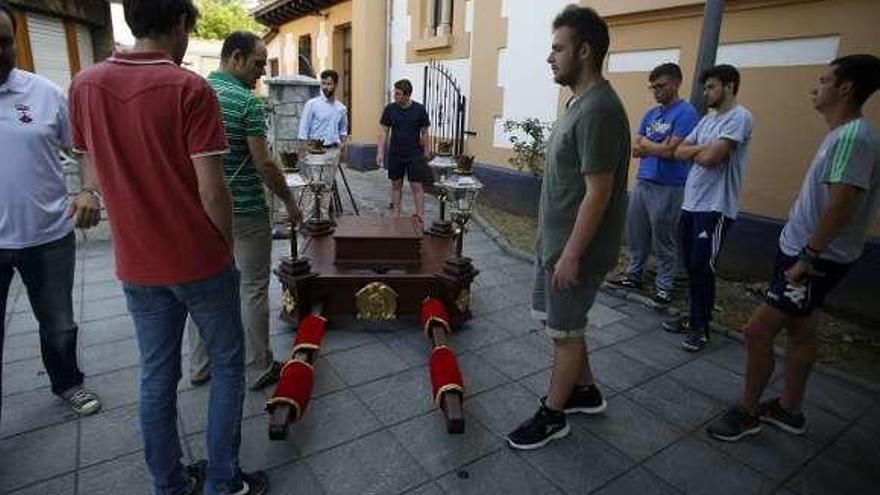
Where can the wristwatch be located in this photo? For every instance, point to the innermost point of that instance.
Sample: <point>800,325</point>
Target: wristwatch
<point>95,193</point>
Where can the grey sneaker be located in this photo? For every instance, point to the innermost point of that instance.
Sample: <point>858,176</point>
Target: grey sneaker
<point>82,401</point>
<point>267,377</point>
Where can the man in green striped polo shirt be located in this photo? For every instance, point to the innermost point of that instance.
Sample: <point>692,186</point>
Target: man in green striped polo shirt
<point>249,169</point>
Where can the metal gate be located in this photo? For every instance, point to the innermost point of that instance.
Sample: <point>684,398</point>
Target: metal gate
<point>446,106</point>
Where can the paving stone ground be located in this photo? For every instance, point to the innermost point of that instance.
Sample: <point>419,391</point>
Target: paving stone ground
<point>371,427</point>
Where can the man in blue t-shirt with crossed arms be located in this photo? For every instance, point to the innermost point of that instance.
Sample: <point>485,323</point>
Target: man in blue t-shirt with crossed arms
<point>655,201</point>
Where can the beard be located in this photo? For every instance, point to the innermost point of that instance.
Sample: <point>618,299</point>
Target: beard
<point>328,93</point>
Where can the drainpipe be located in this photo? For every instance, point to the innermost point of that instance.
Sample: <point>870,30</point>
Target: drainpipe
<point>712,16</point>
<point>389,19</point>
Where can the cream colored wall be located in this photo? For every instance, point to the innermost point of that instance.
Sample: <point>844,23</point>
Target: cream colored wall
<point>320,28</point>
<point>787,129</point>
<point>369,67</point>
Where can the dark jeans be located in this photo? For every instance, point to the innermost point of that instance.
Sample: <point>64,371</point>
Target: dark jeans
<point>47,272</point>
<point>702,234</point>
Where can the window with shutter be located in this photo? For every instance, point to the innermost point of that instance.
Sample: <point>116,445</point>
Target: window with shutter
<point>85,45</point>
<point>49,48</point>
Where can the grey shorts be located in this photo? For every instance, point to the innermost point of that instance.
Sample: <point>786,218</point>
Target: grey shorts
<point>564,312</point>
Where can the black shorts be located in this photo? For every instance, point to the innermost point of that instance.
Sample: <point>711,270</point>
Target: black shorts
<point>413,168</point>
<point>801,300</point>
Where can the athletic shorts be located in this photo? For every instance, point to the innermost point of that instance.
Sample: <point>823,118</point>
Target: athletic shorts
<point>413,168</point>
<point>801,300</point>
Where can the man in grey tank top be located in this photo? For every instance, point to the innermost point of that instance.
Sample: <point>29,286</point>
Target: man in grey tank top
<point>825,234</point>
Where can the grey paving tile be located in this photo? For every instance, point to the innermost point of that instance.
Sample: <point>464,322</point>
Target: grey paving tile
<point>366,363</point>
<point>336,340</point>
<point>62,485</point>
<point>23,376</point>
<point>477,374</point>
<point>21,346</point>
<point>355,467</point>
<point>110,356</point>
<point>685,465</point>
<point>837,396</point>
<point>601,315</point>
<point>608,299</point>
<point>710,379</point>
<point>858,447</point>
<point>580,462</point>
<point>672,401</point>
<point>504,408</point>
<point>638,480</point>
<point>107,330</point>
<point>410,346</point>
<point>515,320</point>
<point>619,371</point>
<point>822,426</point>
<point>517,357</point>
<point>479,332</point>
<point>104,308</point>
<point>109,434</point>
<point>438,452</point>
<point>117,388</point>
<point>295,478</point>
<point>32,410</point>
<point>22,322</point>
<point>492,278</point>
<point>192,407</point>
<point>609,335</point>
<point>426,489</point>
<point>37,455</point>
<point>102,290</point>
<point>485,301</point>
<point>332,420</point>
<point>127,474</point>
<point>398,397</point>
<point>521,271</point>
<point>256,451</point>
<point>826,475</point>
<point>501,472</point>
<point>640,317</point>
<point>327,379</point>
<point>654,351</point>
<point>632,429</point>
<point>773,453</point>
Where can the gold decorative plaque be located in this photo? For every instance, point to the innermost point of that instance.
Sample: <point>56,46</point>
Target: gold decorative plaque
<point>463,302</point>
<point>376,302</point>
<point>288,302</point>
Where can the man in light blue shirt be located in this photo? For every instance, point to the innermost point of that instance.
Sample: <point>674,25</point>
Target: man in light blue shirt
<point>718,146</point>
<point>324,117</point>
<point>36,217</point>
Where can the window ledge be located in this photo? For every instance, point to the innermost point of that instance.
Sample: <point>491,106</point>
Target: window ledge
<point>432,43</point>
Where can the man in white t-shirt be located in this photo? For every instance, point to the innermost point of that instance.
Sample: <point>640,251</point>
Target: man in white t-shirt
<point>36,218</point>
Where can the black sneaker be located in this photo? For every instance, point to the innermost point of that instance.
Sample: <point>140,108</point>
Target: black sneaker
<point>734,425</point>
<point>661,299</point>
<point>773,413</point>
<point>626,281</point>
<point>255,483</point>
<point>267,377</point>
<point>678,325</point>
<point>696,340</point>
<point>546,425</point>
<point>584,400</point>
<point>196,473</point>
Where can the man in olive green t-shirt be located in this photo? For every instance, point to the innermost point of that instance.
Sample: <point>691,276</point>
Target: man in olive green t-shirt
<point>583,203</point>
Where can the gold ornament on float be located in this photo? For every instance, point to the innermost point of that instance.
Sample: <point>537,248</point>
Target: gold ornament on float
<point>376,302</point>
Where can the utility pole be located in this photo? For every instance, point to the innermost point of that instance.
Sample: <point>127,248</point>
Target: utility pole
<point>712,15</point>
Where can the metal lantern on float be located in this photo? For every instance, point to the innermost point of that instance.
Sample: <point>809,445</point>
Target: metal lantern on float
<point>441,166</point>
<point>318,170</point>
<point>461,189</point>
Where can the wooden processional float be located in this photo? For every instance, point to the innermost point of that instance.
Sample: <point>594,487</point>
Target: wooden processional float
<point>377,269</point>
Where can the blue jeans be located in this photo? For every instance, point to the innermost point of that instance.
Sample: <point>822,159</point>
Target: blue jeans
<point>47,273</point>
<point>159,315</point>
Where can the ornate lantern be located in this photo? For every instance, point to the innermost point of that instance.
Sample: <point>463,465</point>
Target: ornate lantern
<point>318,170</point>
<point>441,166</point>
<point>461,194</point>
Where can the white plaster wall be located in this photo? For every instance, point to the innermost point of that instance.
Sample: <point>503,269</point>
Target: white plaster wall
<point>523,73</point>
<point>400,35</point>
<point>780,53</point>
<point>322,49</point>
